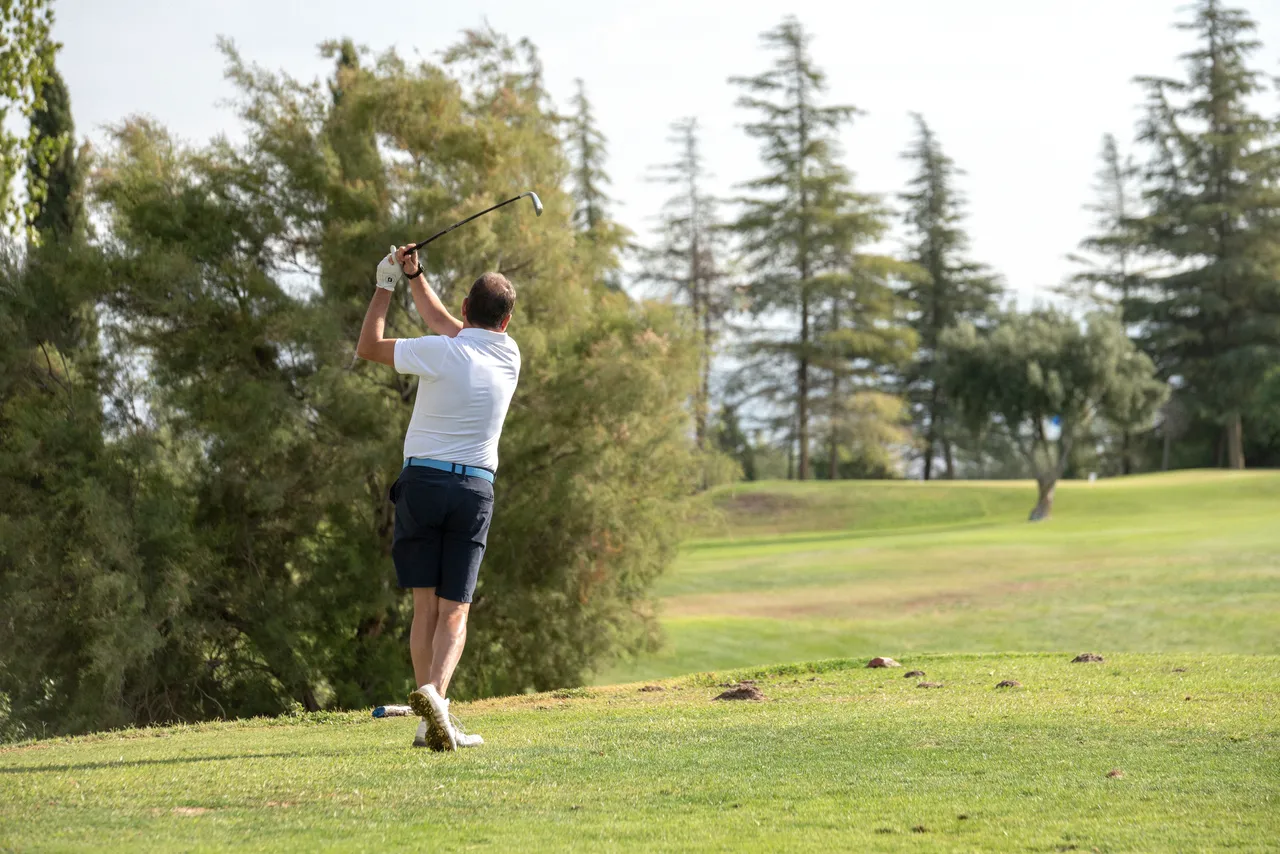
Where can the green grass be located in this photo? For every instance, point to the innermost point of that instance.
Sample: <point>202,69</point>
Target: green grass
<point>838,757</point>
<point>788,572</point>
<point>1176,579</point>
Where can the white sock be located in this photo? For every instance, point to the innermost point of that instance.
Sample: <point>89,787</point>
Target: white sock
<point>422,728</point>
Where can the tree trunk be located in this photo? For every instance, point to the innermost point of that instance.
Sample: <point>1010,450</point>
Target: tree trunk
<point>1168,447</point>
<point>706,357</point>
<point>1044,506</point>
<point>948,460</point>
<point>802,403</point>
<point>1125,468</point>
<point>1235,442</point>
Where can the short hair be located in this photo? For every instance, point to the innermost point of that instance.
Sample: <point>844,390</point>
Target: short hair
<point>490,302</point>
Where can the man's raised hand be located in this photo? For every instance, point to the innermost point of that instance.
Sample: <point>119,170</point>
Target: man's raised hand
<point>389,271</point>
<point>409,264</point>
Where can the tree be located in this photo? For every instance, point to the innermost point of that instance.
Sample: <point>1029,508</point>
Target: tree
<point>587,149</point>
<point>800,221</point>
<point>1212,189</point>
<point>688,261</point>
<point>951,288</point>
<point>230,553</point>
<point>1034,373</point>
<point>1109,275</point>
<point>55,183</point>
<point>26,55</point>
<point>1108,280</point>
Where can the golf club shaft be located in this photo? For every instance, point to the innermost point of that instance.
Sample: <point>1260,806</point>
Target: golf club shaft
<point>416,246</point>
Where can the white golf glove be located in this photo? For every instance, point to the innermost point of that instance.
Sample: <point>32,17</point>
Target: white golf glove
<point>389,272</point>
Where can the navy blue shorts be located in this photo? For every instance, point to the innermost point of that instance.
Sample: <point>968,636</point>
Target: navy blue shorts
<point>442,526</point>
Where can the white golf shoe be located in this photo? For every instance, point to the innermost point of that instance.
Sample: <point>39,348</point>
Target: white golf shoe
<point>434,710</point>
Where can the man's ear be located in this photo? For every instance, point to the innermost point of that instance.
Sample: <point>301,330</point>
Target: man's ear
<point>464,309</point>
<point>502,327</point>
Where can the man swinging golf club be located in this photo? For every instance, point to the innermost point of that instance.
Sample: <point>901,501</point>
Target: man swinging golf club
<point>467,373</point>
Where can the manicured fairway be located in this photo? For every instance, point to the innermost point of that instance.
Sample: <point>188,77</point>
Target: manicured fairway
<point>838,757</point>
<point>787,572</point>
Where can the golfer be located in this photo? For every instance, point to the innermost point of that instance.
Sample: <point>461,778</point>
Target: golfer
<point>466,373</point>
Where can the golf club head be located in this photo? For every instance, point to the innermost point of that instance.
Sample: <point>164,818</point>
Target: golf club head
<point>537,202</point>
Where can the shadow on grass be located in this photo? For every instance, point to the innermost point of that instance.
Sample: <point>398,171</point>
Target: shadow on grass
<point>177,760</point>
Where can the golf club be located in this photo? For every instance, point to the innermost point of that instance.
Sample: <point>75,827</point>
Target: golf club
<point>537,209</point>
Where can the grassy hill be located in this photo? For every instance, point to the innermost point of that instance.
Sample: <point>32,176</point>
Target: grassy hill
<point>1171,744</point>
<point>791,572</point>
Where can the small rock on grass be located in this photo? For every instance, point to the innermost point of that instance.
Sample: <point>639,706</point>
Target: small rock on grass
<point>1009,683</point>
<point>649,688</point>
<point>1115,772</point>
<point>929,685</point>
<point>911,674</point>
<point>882,662</point>
<point>742,692</point>
<point>1086,657</point>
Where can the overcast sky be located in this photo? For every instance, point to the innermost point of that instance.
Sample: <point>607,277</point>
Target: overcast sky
<point>1018,91</point>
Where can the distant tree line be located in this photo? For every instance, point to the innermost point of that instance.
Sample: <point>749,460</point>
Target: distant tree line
<point>840,361</point>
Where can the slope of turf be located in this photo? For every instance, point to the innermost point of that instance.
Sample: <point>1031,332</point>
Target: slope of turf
<point>788,572</point>
<point>1139,753</point>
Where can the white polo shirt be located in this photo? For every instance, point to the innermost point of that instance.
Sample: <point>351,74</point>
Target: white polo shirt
<point>464,390</point>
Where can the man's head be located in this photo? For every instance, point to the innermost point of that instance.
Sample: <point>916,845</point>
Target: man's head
<point>490,302</point>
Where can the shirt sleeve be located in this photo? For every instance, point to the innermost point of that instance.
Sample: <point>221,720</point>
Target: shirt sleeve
<point>423,356</point>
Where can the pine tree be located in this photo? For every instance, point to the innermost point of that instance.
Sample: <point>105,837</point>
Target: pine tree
<point>801,222</point>
<point>55,186</point>
<point>951,288</point>
<point>689,259</point>
<point>1110,255</point>
<point>1212,188</point>
<point>588,149</point>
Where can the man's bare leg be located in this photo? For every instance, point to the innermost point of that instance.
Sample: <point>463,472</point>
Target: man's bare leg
<point>421,633</point>
<point>450,638</point>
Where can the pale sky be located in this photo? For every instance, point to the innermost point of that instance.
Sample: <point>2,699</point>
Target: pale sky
<point>1019,92</point>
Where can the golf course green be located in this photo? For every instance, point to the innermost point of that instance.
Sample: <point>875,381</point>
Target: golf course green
<point>1170,743</point>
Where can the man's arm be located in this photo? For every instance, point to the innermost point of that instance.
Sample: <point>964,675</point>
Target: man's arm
<point>372,346</point>
<point>430,309</point>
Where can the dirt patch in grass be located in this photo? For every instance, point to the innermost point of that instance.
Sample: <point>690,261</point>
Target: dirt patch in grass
<point>1086,657</point>
<point>1009,683</point>
<point>758,504</point>
<point>190,810</point>
<point>929,685</point>
<point>912,674</point>
<point>651,688</point>
<point>741,692</point>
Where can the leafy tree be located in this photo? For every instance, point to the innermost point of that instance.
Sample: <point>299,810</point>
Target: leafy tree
<point>1212,189</point>
<point>864,339</point>
<point>800,225</point>
<point>222,531</point>
<point>26,55</point>
<point>689,260</point>
<point>732,440</point>
<point>949,290</point>
<point>1036,370</point>
<point>55,183</point>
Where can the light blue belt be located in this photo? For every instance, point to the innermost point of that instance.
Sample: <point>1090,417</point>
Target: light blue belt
<point>455,468</point>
